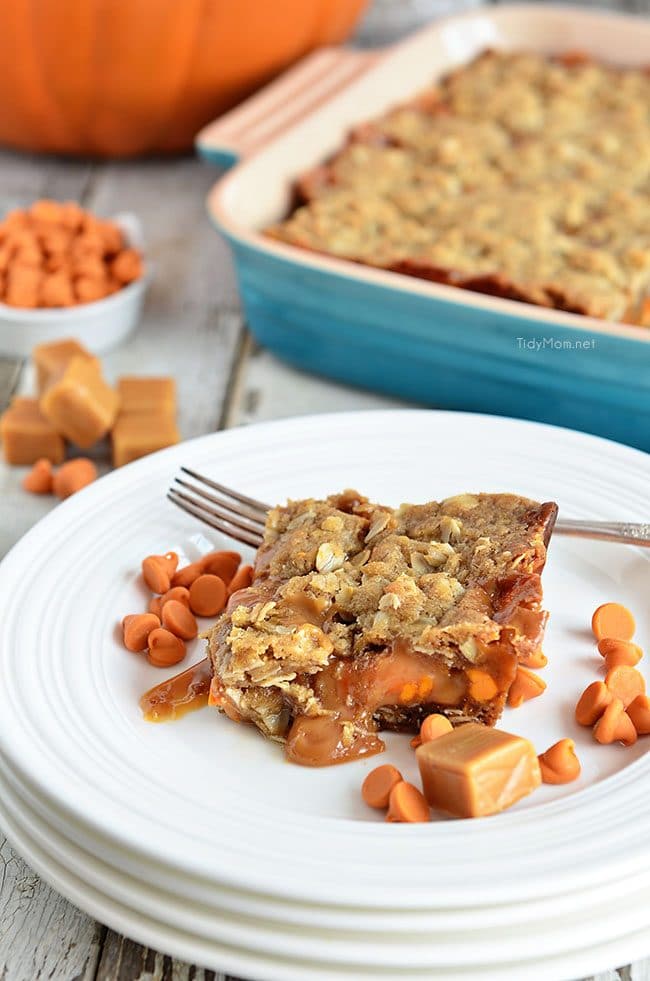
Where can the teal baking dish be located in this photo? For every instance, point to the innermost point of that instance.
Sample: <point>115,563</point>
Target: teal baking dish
<point>431,343</point>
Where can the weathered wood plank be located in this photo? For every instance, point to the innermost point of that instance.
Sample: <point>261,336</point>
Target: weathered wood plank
<point>622,6</point>
<point>42,936</point>
<point>124,960</point>
<point>270,389</point>
<point>28,176</point>
<point>389,20</point>
<point>9,379</point>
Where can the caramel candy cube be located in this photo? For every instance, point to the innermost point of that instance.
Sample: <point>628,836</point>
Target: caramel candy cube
<point>27,435</point>
<point>51,360</point>
<point>139,394</point>
<point>475,770</point>
<point>137,434</point>
<point>80,404</point>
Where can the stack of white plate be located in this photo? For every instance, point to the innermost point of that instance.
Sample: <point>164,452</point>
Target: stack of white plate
<point>196,836</point>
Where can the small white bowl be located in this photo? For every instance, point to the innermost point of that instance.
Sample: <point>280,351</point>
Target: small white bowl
<point>99,326</point>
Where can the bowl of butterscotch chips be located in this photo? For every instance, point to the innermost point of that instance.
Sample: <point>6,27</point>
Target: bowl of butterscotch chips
<point>67,272</point>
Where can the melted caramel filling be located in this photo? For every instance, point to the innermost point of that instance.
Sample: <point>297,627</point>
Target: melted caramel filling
<point>177,696</point>
<point>324,740</point>
<point>499,660</point>
<point>259,592</point>
<point>351,691</point>
<point>404,677</point>
<point>530,624</point>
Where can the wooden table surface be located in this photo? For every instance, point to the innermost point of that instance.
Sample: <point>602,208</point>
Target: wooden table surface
<point>193,329</point>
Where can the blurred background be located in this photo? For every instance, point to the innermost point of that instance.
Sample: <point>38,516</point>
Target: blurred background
<point>386,20</point>
<point>127,78</point>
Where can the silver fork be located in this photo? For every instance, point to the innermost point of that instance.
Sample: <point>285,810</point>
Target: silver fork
<point>242,518</point>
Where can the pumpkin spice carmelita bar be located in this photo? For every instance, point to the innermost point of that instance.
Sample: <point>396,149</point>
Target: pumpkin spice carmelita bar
<point>362,617</point>
<point>517,175</point>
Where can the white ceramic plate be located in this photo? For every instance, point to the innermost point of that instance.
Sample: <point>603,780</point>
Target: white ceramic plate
<point>199,897</point>
<point>215,800</point>
<point>563,925</point>
<point>127,905</point>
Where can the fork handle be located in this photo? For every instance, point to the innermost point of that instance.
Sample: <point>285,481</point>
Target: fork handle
<point>625,532</point>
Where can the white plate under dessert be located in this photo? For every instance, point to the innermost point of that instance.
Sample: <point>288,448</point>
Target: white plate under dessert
<point>172,925</point>
<point>219,804</point>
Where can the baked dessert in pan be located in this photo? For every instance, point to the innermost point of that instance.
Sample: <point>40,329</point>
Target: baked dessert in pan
<point>517,175</point>
<point>363,617</point>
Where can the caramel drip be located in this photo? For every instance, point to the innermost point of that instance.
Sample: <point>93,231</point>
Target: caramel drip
<point>347,732</point>
<point>322,741</point>
<point>177,696</point>
<point>530,624</point>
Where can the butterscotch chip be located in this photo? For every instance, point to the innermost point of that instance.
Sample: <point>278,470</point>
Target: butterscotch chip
<point>27,436</point>
<point>141,394</point>
<point>54,241</point>
<point>71,215</point>
<point>89,267</point>
<point>23,284</point>
<point>51,360</point>
<point>475,770</point>
<point>73,476</point>
<point>15,220</point>
<point>127,266</point>
<point>46,210</point>
<point>39,479</point>
<point>136,434</point>
<point>27,251</point>
<point>56,290</point>
<point>58,255</point>
<point>80,404</point>
<point>87,243</point>
<point>111,235</point>
<point>90,288</point>
<point>57,263</point>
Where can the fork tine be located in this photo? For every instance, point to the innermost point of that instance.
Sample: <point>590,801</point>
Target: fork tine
<point>217,512</point>
<point>228,491</point>
<point>205,514</point>
<point>252,517</point>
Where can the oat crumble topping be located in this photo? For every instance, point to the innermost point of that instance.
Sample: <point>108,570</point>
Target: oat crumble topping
<point>372,616</point>
<point>517,175</point>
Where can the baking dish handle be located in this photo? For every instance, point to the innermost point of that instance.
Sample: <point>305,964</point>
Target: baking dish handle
<point>248,127</point>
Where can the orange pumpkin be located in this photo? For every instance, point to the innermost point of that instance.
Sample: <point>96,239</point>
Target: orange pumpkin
<point>135,76</point>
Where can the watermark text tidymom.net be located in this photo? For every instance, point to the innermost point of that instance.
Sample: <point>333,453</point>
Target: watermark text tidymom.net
<point>555,344</point>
